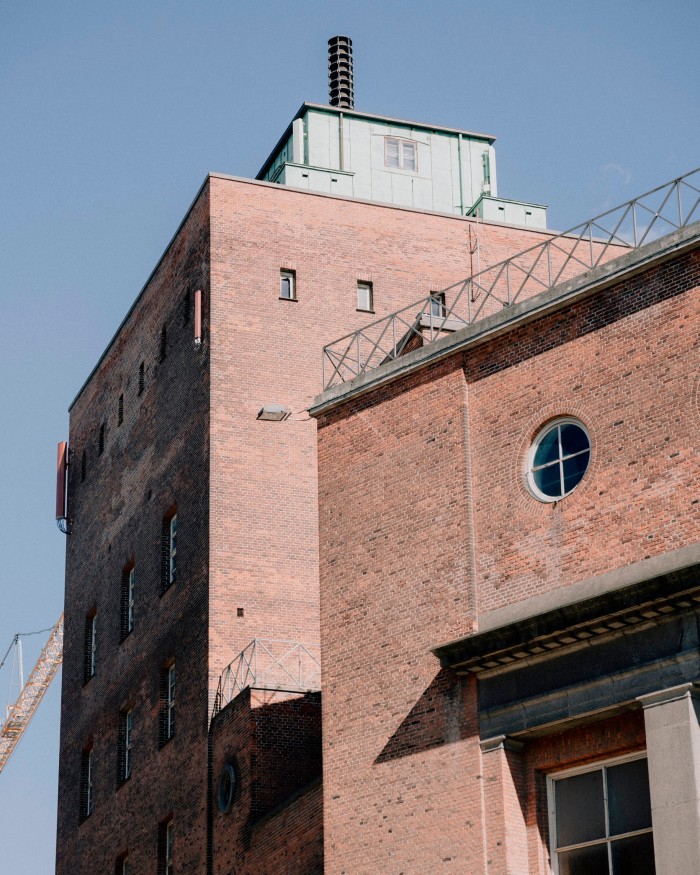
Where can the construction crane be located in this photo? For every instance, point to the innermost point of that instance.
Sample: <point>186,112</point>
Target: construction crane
<point>22,711</point>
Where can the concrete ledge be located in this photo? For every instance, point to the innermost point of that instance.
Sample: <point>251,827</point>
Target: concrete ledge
<point>666,563</point>
<point>578,606</point>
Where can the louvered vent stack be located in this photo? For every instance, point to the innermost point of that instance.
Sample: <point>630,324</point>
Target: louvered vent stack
<point>341,88</point>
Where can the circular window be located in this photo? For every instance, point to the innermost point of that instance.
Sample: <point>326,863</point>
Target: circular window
<point>558,459</point>
<point>227,788</point>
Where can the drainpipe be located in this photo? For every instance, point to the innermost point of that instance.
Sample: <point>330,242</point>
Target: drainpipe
<point>342,144</point>
<point>459,161</point>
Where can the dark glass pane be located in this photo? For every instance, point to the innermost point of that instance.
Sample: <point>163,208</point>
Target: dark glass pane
<point>547,449</point>
<point>634,856</point>
<point>573,439</point>
<point>574,469</point>
<point>579,807</point>
<point>547,480</point>
<point>585,861</point>
<point>629,806</point>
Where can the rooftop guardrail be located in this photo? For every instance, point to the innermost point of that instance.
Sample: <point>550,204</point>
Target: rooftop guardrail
<point>564,256</point>
<point>270,664</point>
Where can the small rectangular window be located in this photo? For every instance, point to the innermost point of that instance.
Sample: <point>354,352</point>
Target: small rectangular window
<point>365,297</point>
<point>437,304</point>
<point>288,290</point>
<point>167,704</point>
<point>400,153</point>
<point>127,600</point>
<point>120,410</point>
<point>600,819</point>
<point>86,789</point>
<point>163,346</point>
<point>123,866</point>
<point>90,645</point>
<point>83,466</point>
<point>142,377</point>
<point>125,746</point>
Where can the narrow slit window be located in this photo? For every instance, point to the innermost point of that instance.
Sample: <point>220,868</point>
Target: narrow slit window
<point>142,377</point>
<point>101,440</point>
<point>163,346</point>
<point>83,466</point>
<point>166,838</point>
<point>167,704</point>
<point>186,307</point>
<point>86,789</point>
<point>128,599</point>
<point>169,551</point>
<point>125,746</point>
<point>90,663</point>
<point>120,410</point>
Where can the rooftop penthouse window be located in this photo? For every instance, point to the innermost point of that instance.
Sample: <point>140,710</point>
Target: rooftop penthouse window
<point>400,153</point>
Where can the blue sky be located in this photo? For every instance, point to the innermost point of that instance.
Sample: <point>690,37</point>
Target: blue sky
<point>111,114</point>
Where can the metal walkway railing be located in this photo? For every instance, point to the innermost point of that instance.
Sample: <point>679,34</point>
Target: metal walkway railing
<point>269,664</point>
<point>564,256</point>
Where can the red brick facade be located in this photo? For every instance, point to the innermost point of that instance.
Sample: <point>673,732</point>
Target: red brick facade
<point>244,492</point>
<point>428,531</point>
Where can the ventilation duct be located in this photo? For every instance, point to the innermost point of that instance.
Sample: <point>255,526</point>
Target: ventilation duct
<point>341,89</point>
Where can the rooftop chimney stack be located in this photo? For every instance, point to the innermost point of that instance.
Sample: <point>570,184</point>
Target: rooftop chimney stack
<point>341,88</point>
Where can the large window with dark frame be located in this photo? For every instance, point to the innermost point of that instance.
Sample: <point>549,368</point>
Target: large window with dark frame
<point>600,819</point>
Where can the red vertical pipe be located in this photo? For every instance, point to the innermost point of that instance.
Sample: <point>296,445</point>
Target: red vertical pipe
<point>61,480</point>
<point>198,317</point>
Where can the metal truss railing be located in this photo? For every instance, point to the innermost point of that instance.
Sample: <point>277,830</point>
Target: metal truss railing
<point>269,664</point>
<point>668,207</point>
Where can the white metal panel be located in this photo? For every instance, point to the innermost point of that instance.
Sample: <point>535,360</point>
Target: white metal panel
<point>494,180</point>
<point>318,134</point>
<point>423,194</point>
<point>443,196</point>
<point>381,187</point>
<point>358,156</point>
<point>401,189</point>
<point>298,141</point>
